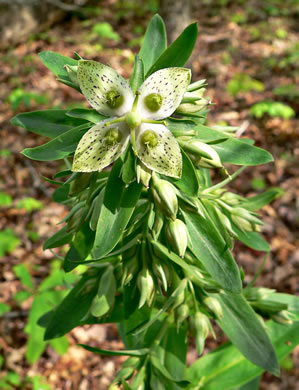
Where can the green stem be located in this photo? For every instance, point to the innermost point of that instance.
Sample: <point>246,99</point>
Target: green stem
<point>133,141</point>
<point>224,182</point>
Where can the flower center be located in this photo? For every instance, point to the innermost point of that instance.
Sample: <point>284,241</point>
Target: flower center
<point>114,99</point>
<point>113,136</point>
<point>153,101</point>
<point>149,138</point>
<point>133,120</point>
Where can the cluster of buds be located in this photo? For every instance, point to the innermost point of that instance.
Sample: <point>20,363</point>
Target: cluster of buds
<point>200,325</point>
<point>201,154</point>
<point>193,100</point>
<point>164,194</point>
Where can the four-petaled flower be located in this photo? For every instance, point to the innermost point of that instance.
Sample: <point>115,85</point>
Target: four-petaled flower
<point>136,118</point>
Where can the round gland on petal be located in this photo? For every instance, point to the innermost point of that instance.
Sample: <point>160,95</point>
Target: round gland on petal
<point>113,136</point>
<point>114,99</point>
<point>149,138</point>
<point>153,101</point>
<point>133,120</point>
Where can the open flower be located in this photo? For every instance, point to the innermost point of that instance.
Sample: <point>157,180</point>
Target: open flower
<point>131,117</point>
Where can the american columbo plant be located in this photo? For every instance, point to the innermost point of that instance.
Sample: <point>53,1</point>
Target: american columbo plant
<point>153,230</point>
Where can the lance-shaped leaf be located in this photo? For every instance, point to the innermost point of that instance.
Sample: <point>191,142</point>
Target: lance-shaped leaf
<point>56,62</point>
<point>100,147</point>
<point>87,114</point>
<point>257,202</point>
<point>162,92</point>
<point>104,89</point>
<point>104,300</point>
<point>158,150</point>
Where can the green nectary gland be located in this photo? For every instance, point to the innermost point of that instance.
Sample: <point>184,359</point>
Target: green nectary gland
<point>113,136</point>
<point>114,99</point>
<point>153,101</point>
<point>149,138</point>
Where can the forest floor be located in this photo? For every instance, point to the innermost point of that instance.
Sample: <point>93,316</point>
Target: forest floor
<point>253,40</point>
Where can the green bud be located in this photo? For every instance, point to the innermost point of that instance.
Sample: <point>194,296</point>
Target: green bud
<point>129,270</point>
<point>255,293</point>
<point>113,136</point>
<point>231,198</point>
<point>282,318</point>
<point>245,214</point>
<point>76,219</point>
<point>133,120</point>
<point>203,155</point>
<point>214,306</point>
<point>127,368</point>
<point>192,102</point>
<point>149,138</point>
<point>224,220</point>
<point>182,313</point>
<point>153,101</point>
<point>161,272</point>
<point>115,387</point>
<point>72,73</point>
<point>164,194</point>
<point>242,223</point>
<point>143,174</point>
<point>196,85</point>
<point>146,286</point>
<point>158,224</point>
<point>114,99</point>
<point>177,235</point>
<point>201,326</point>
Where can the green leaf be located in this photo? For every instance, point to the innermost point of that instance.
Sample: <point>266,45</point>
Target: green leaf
<point>128,173</point>
<point>55,62</point>
<point>60,147</point>
<point>154,43</point>
<point>104,300</point>
<point>23,274</point>
<point>252,385</point>
<point>130,352</point>
<point>237,152</point>
<point>87,114</point>
<point>208,134</point>
<point>188,183</point>
<point>257,202</point>
<point>210,248</point>
<point>242,326</point>
<point>252,239</point>
<point>175,352</point>
<point>137,76</point>
<point>116,211</point>
<point>3,309</point>
<point>291,300</point>
<point>49,123</point>
<point>178,52</point>
<point>60,345</point>
<point>68,314</point>
<point>226,368</point>
<point>80,248</point>
<point>60,238</point>
<point>180,126</point>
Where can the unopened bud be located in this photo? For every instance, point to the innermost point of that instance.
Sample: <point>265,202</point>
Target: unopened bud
<point>231,198</point>
<point>256,293</point>
<point>245,214</point>
<point>165,197</point>
<point>80,183</point>
<point>177,236</point>
<point>214,306</point>
<point>196,85</point>
<point>224,220</point>
<point>72,73</point>
<point>129,270</point>
<point>201,326</point>
<point>282,318</point>
<point>146,286</point>
<point>162,273</point>
<point>182,313</point>
<point>192,102</point>
<point>76,219</point>
<point>143,174</point>
<point>202,155</point>
<point>158,224</point>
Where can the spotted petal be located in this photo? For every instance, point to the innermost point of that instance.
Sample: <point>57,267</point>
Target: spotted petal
<point>170,84</point>
<point>97,81</point>
<point>165,157</point>
<point>94,151</point>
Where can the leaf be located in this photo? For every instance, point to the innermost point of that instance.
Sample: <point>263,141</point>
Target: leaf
<point>60,238</point>
<point>23,274</point>
<point>104,300</point>
<point>117,208</point>
<point>178,52</point>
<point>252,385</point>
<point>50,123</point>
<point>86,114</point>
<point>252,239</point>
<point>246,332</point>
<point>154,43</point>
<point>226,368</point>
<point>235,151</point>
<point>176,351</point>
<point>188,183</point>
<point>137,76</point>
<point>68,314</point>
<point>210,248</point>
<point>60,147</point>
<point>128,173</point>
<point>130,352</point>
<point>55,62</point>
<point>291,300</point>
<point>257,202</point>
<point>60,345</point>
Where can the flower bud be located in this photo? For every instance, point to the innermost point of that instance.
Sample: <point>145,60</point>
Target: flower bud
<point>72,73</point>
<point>177,235</point>
<point>231,198</point>
<point>255,293</point>
<point>146,286</point>
<point>224,220</point>
<point>201,327</point>
<point>165,197</point>
<point>143,174</point>
<point>158,224</point>
<point>214,306</point>
<point>80,183</point>
<point>202,155</point>
<point>196,85</point>
<point>192,102</point>
<point>76,219</point>
<point>162,273</point>
<point>282,318</point>
<point>182,313</point>
<point>129,270</point>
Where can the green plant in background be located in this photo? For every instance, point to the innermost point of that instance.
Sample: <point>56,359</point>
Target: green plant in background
<point>18,97</point>
<point>273,109</point>
<point>105,31</point>
<point>243,83</point>
<point>29,204</point>
<point>8,241</point>
<point>5,200</point>
<point>154,232</point>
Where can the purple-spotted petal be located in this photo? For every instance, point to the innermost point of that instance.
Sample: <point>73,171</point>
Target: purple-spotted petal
<point>105,90</point>
<point>170,84</point>
<point>100,147</point>
<point>158,149</point>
